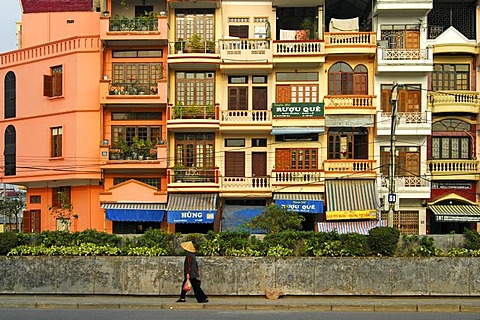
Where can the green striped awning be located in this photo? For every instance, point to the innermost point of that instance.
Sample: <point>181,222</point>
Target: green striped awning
<point>351,199</point>
<point>456,212</point>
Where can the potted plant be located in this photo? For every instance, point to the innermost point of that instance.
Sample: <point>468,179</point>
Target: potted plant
<point>178,110</point>
<point>196,43</point>
<point>122,144</point>
<point>179,172</point>
<point>210,111</point>
<point>179,46</point>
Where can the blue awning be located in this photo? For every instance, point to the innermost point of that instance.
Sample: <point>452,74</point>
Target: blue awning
<point>141,212</point>
<point>191,208</point>
<point>300,202</point>
<point>297,130</point>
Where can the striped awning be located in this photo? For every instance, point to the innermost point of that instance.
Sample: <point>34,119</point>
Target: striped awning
<point>456,212</point>
<point>342,227</point>
<point>297,130</point>
<point>351,199</point>
<point>191,207</point>
<point>152,212</point>
<point>300,202</point>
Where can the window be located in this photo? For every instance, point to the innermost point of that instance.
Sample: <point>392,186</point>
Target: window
<point>295,159</point>
<point>401,36</point>
<point>52,83</point>
<point>296,137</point>
<point>451,77</point>
<point>137,73</point>
<point>343,80</point>
<point>237,98</point>
<point>259,143</point>
<point>10,95</point>
<point>56,141</point>
<point>190,22</point>
<point>31,221</point>
<point>296,92</point>
<point>195,150</point>
<point>35,199</point>
<point>407,161</point>
<point>195,88</point>
<point>235,143</point>
<point>137,53</point>
<point>57,196</point>
<point>238,79</point>
<point>10,151</point>
<point>409,98</point>
<point>451,139</point>
<point>239,31</point>
<point>152,133</point>
<point>154,182</point>
<point>347,143</point>
<point>234,164</point>
<point>136,116</point>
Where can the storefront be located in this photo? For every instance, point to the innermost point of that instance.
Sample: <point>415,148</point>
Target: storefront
<point>309,205</point>
<point>134,218</point>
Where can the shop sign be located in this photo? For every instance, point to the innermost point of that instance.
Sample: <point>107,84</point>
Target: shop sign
<point>351,214</point>
<point>287,110</point>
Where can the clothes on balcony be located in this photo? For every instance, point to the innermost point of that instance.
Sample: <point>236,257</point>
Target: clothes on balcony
<point>344,25</point>
<point>288,34</point>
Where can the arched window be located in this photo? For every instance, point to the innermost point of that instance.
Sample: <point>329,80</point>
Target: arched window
<point>360,80</point>
<point>10,95</point>
<point>340,79</point>
<point>10,151</point>
<point>452,139</point>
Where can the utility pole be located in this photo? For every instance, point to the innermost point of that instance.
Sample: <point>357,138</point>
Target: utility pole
<point>392,197</point>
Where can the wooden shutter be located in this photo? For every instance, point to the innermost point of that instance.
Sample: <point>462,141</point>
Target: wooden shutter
<point>282,159</point>
<point>402,101</point>
<point>412,164</point>
<point>234,164</point>
<point>385,163</point>
<point>26,222</point>
<point>284,94</point>
<point>360,82</point>
<point>237,98</point>
<point>259,98</point>
<point>413,101</point>
<point>259,164</point>
<point>57,80</point>
<point>386,106</point>
<point>412,39</point>
<point>47,85</point>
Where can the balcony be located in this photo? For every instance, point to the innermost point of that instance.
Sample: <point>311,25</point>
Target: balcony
<point>308,178</point>
<point>408,187</point>
<point>446,169</point>
<point>405,60</point>
<point>246,120</point>
<point>351,43</point>
<point>408,123</point>
<point>299,51</point>
<point>132,93</point>
<point>194,52</point>
<point>193,179</point>
<point>259,186</point>
<point>200,117</point>
<point>454,101</point>
<point>240,51</point>
<point>347,167</point>
<point>134,28</point>
<point>148,158</point>
<point>350,104</point>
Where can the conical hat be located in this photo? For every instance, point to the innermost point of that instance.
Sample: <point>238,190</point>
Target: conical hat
<point>188,246</point>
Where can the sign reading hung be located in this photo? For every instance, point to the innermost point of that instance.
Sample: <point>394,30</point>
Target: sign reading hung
<point>190,216</point>
<point>305,110</point>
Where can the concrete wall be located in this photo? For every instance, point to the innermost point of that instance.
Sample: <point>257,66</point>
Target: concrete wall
<point>242,276</point>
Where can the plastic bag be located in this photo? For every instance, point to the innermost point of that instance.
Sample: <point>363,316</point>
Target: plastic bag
<point>187,286</point>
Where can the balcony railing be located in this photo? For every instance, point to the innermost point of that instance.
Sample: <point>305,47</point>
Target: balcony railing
<point>193,175</point>
<point>193,112</point>
<point>245,183</point>
<point>404,54</point>
<point>350,38</point>
<point>242,116</point>
<point>347,165</point>
<point>132,154</point>
<point>197,46</point>
<point>357,101</point>
<point>293,47</point>
<point>406,182</point>
<point>131,88</point>
<point>453,166</point>
<point>407,117</point>
<point>147,23</point>
<point>455,101</point>
<point>297,177</point>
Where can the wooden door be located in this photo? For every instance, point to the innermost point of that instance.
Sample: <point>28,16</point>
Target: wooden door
<point>234,164</point>
<point>259,164</point>
<point>259,98</point>
<point>284,94</point>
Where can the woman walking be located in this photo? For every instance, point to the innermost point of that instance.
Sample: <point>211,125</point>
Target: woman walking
<point>191,272</point>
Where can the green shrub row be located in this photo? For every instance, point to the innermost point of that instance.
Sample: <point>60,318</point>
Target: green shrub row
<point>382,241</point>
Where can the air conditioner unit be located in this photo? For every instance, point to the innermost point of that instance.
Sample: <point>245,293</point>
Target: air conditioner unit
<point>382,44</point>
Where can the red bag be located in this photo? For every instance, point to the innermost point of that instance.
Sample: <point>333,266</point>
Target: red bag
<point>187,286</point>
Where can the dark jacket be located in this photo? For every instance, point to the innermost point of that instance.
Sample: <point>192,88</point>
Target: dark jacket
<point>190,266</point>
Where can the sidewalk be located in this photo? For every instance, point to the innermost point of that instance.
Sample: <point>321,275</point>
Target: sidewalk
<point>318,303</point>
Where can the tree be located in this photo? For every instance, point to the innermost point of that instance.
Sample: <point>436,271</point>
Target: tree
<point>11,208</point>
<point>64,212</point>
<point>276,219</point>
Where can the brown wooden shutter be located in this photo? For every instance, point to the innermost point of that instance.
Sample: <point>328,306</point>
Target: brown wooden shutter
<point>234,164</point>
<point>259,98</point>
<point>385,100</point>
<point>412,39</point>
<point>385,163</point>
<point>237,98</point>
<point>47,85</point>
<point>282,159</point>
<point>413,101</point>
<point>412,164</point>
<point>284,94</point>
<point>259,164</point>
<point>27,222</point>
<point>360,82</point>
<point>57,80</point>
<point>402,101</point>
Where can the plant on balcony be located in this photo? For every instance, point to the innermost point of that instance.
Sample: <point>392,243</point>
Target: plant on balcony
<point>147,21</point>
<point>210,111</point>
<point>309,25</point>
<point>179,172</point>
<point>122,144</point>
<point>196,43</point>
<point>179,45</point>
<point>194,111</point>
<point>178,110</point>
